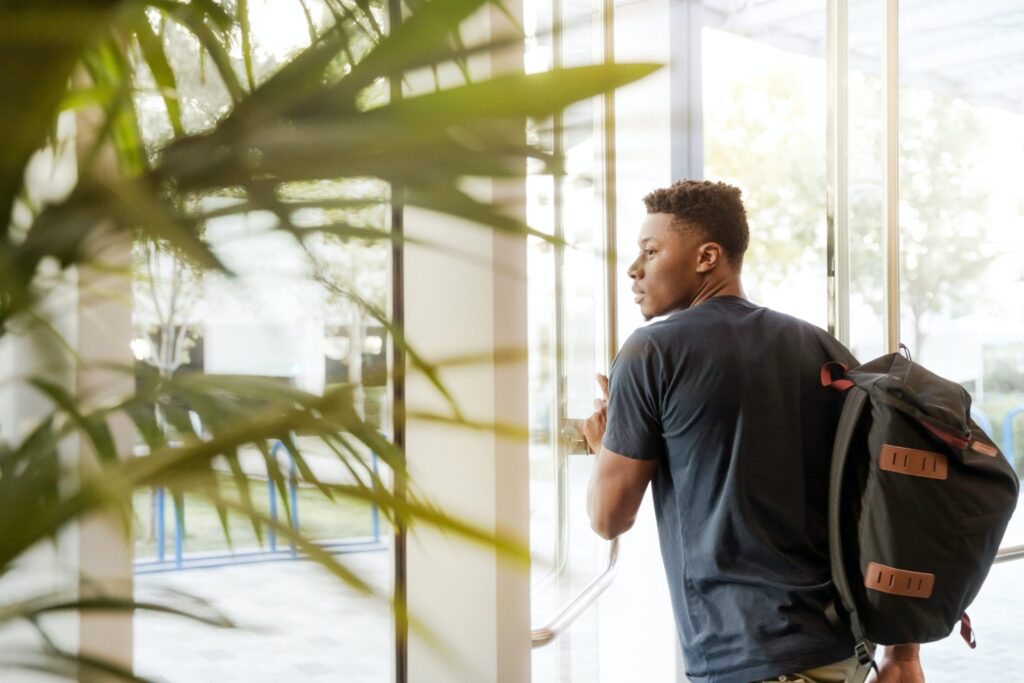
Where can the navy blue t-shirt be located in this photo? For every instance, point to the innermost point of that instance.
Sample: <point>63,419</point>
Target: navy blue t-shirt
<point>727,396</point>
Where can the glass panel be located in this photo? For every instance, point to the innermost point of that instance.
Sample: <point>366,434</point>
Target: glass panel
<point>566,325</point>
<point>764,131</point>
<point>962,252</point>
<point>582,219</point>
<point>278,318</point>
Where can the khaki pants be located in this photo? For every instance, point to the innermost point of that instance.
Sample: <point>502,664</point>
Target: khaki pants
<point>846,671</point>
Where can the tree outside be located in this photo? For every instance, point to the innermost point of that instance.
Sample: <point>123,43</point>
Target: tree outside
<point>764,130</point>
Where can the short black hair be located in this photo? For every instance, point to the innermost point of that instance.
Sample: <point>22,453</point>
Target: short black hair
<point>714,209</point>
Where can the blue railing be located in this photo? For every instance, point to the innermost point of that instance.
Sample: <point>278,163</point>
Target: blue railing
<point>1008,445</point>
<point>181,560</point>
<point>293,499</point>
<point>982,419</point>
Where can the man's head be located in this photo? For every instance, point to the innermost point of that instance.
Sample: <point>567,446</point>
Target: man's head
<point>691,246</point>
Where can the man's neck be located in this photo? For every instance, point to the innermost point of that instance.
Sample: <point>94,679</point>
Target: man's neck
<point>728,286</point>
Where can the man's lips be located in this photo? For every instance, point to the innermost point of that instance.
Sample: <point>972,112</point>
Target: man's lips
<point>637,295</point>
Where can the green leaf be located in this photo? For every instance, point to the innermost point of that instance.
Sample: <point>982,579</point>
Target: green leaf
<point>242,483</point>
<point>246,31</point>
<point>51,604</point>
<point>410,44</point>
<point>454,202</point>
<point>212,46</point>
<point>197,9</point>
<point>429,370</point>
<point>80,98</point>
<point>274,474</point>
<point>95,426</point>
<point>108,67</point>
<point>39,48</point>
<point>512,96</point>
<point>501,429</point>
<point>144,419</point>
<point>296,81</point>
<point>152,48</point>
<point>302,467</point>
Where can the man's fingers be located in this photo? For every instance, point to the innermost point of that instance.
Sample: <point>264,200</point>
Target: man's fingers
<point>600,404</point>
<point>602,381</point>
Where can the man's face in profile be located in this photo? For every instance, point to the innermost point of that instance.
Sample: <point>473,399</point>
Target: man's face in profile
<point>664,274</point>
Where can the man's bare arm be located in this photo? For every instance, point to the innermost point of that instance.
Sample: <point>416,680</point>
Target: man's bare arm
<point>618,484</point>
<point>616,491</point>
<point>900,664</point>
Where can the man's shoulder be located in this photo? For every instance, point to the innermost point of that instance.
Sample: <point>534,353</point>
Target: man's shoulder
<point>699,326</point>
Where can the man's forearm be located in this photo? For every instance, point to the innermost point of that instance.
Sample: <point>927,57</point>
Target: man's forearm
<point>590,486</point>
<point>900,664</point>
<point>904,652</point>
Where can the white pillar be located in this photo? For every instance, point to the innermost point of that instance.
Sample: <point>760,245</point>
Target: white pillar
<point>91,312</point>
<point>467,297</point>
<point>102,548</point>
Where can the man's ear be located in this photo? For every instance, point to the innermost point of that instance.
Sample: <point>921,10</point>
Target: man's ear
<point>709,255</point>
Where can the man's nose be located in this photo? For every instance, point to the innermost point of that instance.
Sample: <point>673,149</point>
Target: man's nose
<point>635,271</point>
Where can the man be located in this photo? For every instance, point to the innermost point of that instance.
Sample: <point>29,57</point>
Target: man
<point>721,406</point>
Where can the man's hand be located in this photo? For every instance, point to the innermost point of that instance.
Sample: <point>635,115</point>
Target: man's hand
<point>900,664</point>
<point>593,428</point>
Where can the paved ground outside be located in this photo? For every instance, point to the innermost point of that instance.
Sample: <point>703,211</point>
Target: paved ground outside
<point>299,624</point>
<point>998,618</point>
<point>304,625</point>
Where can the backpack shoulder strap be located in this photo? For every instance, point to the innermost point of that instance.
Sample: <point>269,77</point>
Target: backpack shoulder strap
<point>853,407</point>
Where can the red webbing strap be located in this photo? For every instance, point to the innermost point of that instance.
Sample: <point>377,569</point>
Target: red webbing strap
<point>954,440</point>
<point>966,632</point>
<point>827,377</point>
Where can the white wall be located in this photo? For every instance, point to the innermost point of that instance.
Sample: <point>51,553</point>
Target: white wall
<point>469,301</point>
<point>267,320</point>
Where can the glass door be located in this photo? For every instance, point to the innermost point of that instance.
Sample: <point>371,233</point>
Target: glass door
<point>568,323</point>
<point>961,266</point>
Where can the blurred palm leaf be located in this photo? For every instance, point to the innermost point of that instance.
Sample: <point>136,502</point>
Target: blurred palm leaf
<point>319,116</point>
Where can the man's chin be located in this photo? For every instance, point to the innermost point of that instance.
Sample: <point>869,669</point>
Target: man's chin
<point>650,313</point>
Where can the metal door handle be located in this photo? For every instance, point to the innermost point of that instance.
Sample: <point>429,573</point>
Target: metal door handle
<point>1013,552</point>
<point>572,433</point>
<point>544,635</point>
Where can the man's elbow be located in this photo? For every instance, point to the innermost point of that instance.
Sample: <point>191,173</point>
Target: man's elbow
<point>608,527</point>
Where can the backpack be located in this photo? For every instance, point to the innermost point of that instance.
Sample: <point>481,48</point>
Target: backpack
<point>919,499</point>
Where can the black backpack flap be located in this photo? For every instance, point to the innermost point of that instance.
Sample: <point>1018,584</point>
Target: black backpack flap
<point>928,529</point>
<point>942,406</point>
<point>920,499</point>
<point>869,524</point>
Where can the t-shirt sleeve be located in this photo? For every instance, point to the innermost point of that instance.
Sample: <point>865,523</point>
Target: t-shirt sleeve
<point>634,413</point>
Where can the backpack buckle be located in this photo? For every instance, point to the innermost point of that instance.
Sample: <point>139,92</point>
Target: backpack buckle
<point>864,653</point>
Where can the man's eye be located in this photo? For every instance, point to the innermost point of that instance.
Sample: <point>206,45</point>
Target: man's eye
<point>648,252</point>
